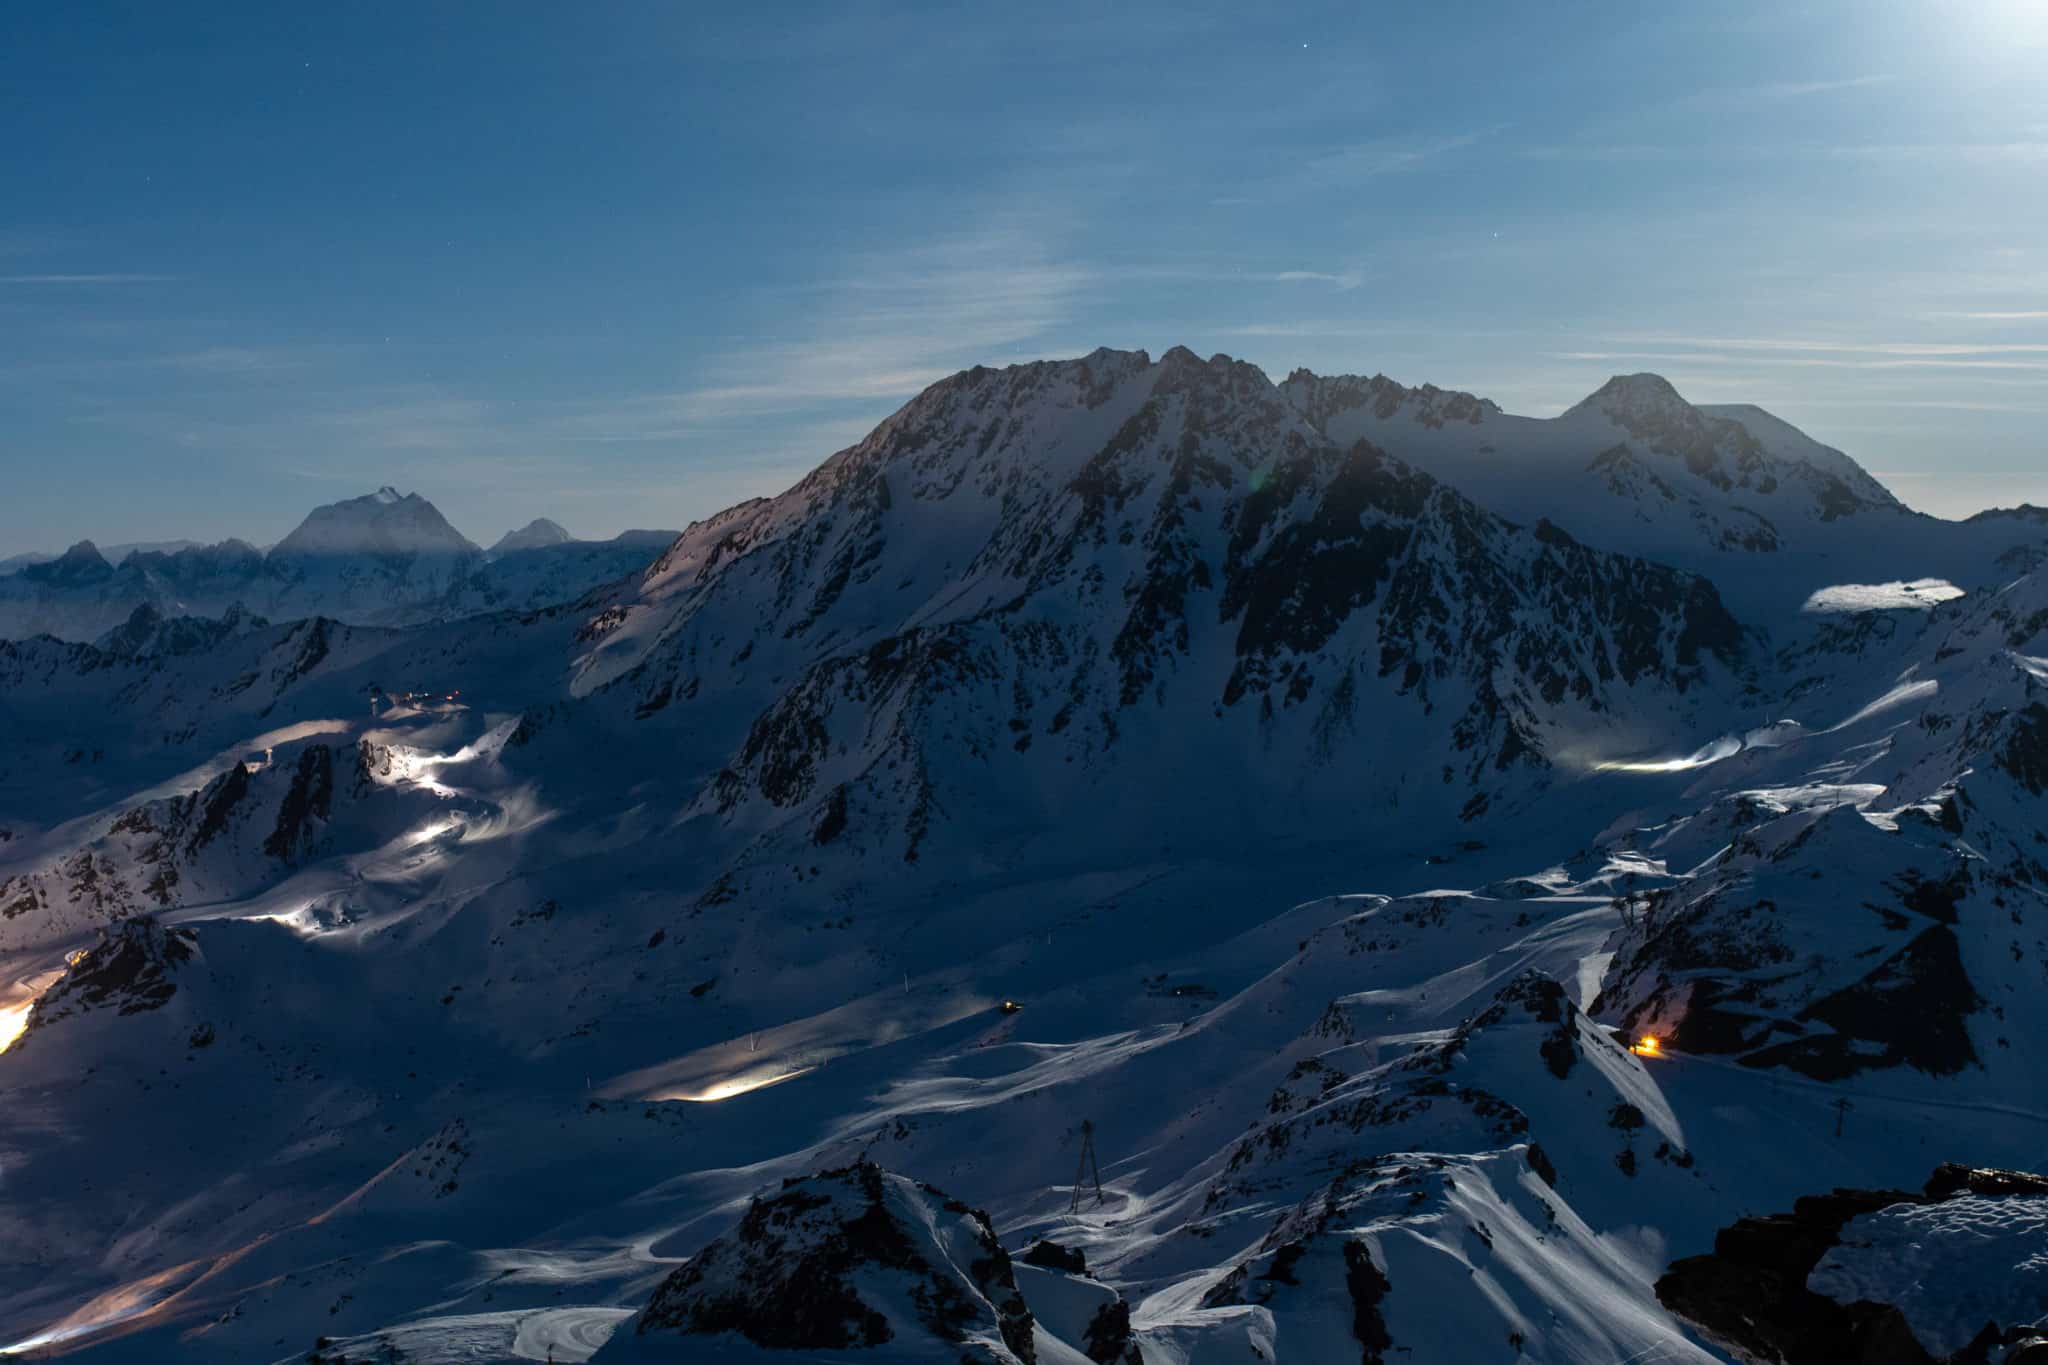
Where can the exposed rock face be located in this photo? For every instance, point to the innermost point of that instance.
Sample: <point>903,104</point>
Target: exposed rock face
<point>1083,1313</point>
<point>1752,959</point>
<point>850,1259</point>
<point>131,969</point>
<point>79,566</point>
<point>1721,448</point>
<point>148,633</point>
<point>1756,1292</point>
<point>1049,1255</point>
<point>1833,937</point>
<point>1497,1081</point>
<point>1038,579</point>
<point>244,829</point>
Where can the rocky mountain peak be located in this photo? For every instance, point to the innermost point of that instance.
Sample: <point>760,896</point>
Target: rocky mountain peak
<point>842,1260</point>
<point>381,523</point>
<point>1319,398</point>
<point>130,969</point>
<point>1637,398</point>
<point>536,534</point>
<point>81,564</point>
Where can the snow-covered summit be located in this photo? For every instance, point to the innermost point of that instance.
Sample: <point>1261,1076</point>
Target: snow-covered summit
<point>1637,399</point>
<point>383,523</point>
<point>1728,491</point>
<point>536,534</point>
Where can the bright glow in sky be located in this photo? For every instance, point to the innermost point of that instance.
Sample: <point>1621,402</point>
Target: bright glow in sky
<point>625,264</point>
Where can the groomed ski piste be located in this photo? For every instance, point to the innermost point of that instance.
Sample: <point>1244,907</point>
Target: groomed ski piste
<point>1442,918</point>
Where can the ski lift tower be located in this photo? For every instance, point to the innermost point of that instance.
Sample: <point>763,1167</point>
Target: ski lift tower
<point>1086,1172</point>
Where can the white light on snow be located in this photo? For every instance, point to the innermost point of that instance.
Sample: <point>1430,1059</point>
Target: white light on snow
<point>1921,593</point>
<point>740,1085</point>
<point>1721,748</point>
<point>13,1020</point>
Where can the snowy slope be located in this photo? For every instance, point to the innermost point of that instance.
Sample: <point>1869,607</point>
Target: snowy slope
<point>471,992</point>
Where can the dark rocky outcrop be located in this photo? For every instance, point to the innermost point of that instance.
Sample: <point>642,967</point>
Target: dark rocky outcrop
<point>1049,1255</point>
<point>1749,1294</point>
<point>848,1259</point>
<point>130,970</point>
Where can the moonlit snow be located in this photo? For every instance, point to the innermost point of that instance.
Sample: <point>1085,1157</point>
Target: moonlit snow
<point>1950,1267</point>
<point>1199,822</point>
<point>1854,597</point>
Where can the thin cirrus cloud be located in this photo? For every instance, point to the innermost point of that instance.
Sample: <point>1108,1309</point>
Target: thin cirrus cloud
<point>1805,362</point>
<point>882,327</point>
<point>1735,98</point>
<point>1224,273</point>
<point>2017,153</point>
<point>1799,345</point>
<point>232,360</point>
<point>86,279</point>
<point>1385,156</point>
<point>1345,280</point>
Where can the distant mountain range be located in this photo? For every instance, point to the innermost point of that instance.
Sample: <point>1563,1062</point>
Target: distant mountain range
<point>382,559</point>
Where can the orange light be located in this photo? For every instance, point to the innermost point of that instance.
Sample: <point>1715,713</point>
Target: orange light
<point>1648,1046</point>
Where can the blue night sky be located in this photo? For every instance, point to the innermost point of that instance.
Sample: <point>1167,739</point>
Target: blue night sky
<point>624,264</point>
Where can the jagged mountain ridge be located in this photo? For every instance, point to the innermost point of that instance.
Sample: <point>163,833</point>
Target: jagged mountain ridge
<point>1728,491</point>
<point>383,559</point>
<point>1109,571</point>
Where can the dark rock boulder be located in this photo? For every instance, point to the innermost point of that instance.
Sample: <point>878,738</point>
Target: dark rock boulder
<point>1750,1295</point>
<point>850,1259</point>
<point>130,970</point>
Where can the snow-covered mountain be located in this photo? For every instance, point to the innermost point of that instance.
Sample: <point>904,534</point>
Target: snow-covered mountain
<point>537,534</point>
<point>1289,901</point>
<point>1080,582</point>
<point>383,559</point>
<point>113,554</point>
<point>376,553</point>
<point>1728,491</point>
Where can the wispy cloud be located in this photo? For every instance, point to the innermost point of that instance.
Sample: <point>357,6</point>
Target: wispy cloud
<point>1886,348</point>
<point>86,279</point>
<point>2020,152</point>
<point>1387,155</point>
<point>885,326</point>
<point>1224,272</point>
<point>2024,315</point>
<point>1312,329</point>
<point>1799,361</point>
<point>1349,279</point>
<point>1734,98</point>
<point>232,360</point>
<point>1609,151</point>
